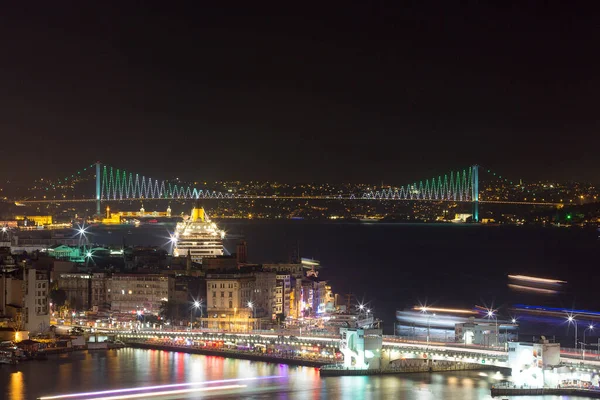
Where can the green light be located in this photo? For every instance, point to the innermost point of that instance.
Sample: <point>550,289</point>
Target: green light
<point>569,216</point>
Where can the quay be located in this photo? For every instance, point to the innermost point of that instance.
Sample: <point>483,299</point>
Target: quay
<point>242,355</point>
<point>508,391</point>
<point>339,370</point>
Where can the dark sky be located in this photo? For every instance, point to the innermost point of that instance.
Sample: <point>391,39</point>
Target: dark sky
<point>339,91</point>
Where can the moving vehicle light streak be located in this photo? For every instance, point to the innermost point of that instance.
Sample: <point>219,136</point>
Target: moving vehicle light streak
<point>535,279</point>
<point>447,310</point>
<point>531,289</point>
<point>169,392</point>
<point>138,389</point>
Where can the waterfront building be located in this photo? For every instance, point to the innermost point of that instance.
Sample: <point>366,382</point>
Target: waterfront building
<point>98,291</point>
<point>361,348</point>
<point>484,334</point>
<point>130,293</point>
<point>283,290</point>
<point>229,293</point>
<point>227,303</point>
<point>24,299</point>
<point>263,293</point>
<point>198,237</point>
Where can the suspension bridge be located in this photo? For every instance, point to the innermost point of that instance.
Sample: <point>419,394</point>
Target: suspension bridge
<point>113,184</point>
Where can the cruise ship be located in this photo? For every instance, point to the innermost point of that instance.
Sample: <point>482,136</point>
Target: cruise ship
<point>197,236</point>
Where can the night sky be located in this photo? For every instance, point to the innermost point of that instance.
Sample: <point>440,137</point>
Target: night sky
<point>330,91</point>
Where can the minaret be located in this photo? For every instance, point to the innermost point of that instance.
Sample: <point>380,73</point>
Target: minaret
<point>188,263</point>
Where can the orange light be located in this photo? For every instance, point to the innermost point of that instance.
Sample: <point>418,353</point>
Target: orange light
<point>531,289</point>
<point>448,310</point>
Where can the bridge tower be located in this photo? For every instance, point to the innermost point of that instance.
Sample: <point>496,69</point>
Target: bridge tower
<point>98,188</point>
<point>475,194</point>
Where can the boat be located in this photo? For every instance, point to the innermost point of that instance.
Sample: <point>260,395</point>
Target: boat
<point>9,355</point>
<point>198,237</point>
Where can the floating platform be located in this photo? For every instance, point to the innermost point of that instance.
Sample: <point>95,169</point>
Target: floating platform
<point>589,393</point>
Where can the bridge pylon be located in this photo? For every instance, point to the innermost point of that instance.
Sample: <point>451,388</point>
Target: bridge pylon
<point>98,189</point>
<point>475,194</point>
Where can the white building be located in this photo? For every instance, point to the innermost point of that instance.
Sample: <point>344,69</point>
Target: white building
<point>484,334</point>
<point>361,348</point>
<point>532,364</point>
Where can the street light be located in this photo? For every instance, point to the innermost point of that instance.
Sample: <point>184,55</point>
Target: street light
<point>195,306</point>
<point>573,321</point>
<point>251,307</point>
<point>491,314</point>
<point>589,328</point>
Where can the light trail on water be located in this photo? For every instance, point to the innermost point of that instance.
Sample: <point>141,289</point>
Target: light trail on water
<point>147,388</point>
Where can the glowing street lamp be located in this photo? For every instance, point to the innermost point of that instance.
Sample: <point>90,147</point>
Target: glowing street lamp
<point>572,320</point>
<point>195,306</point>
<point>589,328</point>
<point>251,307</point>
<point>491,314</point>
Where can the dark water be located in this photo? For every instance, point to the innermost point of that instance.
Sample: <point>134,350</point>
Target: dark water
<point>392,266</point>
<point>126,368</point>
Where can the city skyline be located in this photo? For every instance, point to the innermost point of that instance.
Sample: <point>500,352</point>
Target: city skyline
<point>359,93</point>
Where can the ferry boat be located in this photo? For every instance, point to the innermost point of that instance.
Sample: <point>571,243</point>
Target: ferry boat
<point>197,236</point>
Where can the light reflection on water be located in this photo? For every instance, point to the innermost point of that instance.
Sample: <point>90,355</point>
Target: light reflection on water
<point>127,368</point>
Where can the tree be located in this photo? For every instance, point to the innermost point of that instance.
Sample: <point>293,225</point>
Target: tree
<point>58,297</point>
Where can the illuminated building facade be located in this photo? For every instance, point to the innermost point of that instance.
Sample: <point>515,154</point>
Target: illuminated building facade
<point>128,293</point>
<point>25,300</point>
<point>361,348</point>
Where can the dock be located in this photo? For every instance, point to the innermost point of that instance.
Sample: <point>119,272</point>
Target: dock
<point>506,391</point>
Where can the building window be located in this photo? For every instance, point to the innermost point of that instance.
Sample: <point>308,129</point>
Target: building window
<point>222,294</point>
<point>230,304</point>
<point>230,294</point>
<point>214,294</point>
